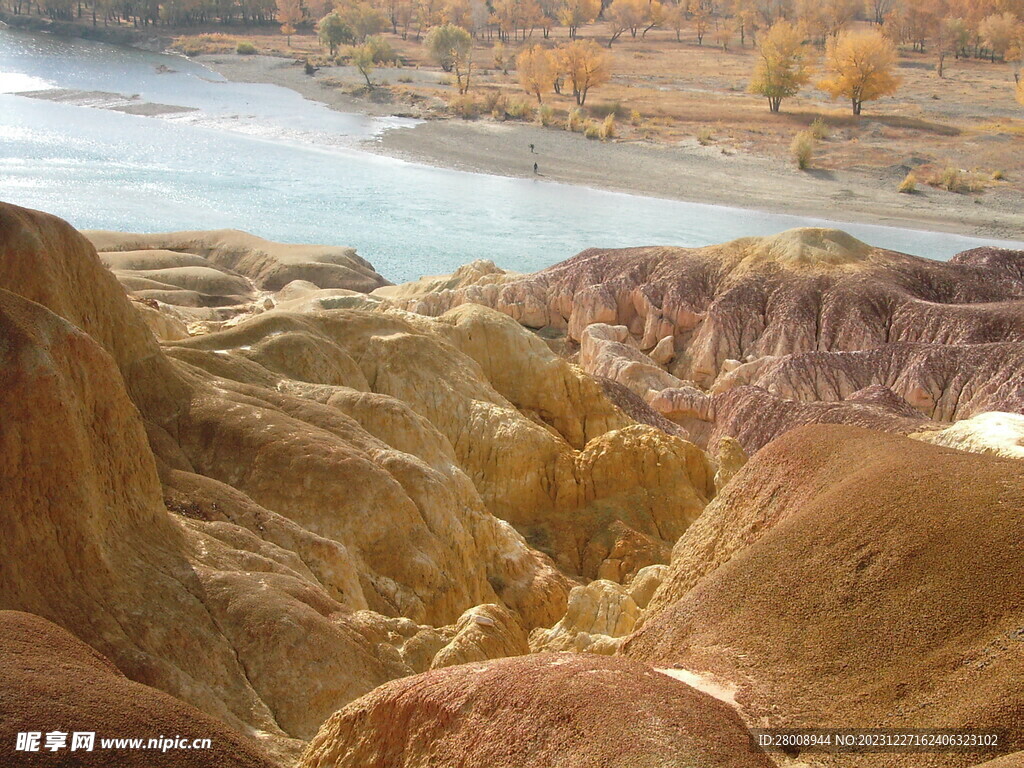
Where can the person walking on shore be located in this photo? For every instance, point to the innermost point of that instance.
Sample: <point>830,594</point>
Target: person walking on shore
<point>535,171</point>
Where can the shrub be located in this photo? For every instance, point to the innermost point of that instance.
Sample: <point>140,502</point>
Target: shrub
<point>608,127</point>
<point>574,122</point>
<point>998,175</point>
<point>955,180</point>
<point>547,115</point>
<point>465,106</point>
<point>635,117</point>
<point>908,185</point>
<point>380,49</point>
<point>206,43</point>
<point>362,60</point>
<point>405,79</point>
<point>704,136</point>
<point>950,179</point>
<point>494,101</point>
<point>521,110</point>
<point>820,129</point>
<point>802,149</point>
<point>245,48</point>
<point>592,130</point>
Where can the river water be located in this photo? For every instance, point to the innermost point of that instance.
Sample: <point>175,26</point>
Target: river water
<point>263,159</point>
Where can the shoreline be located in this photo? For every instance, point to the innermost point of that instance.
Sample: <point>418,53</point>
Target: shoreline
<point>142,39</point>
<point>686,172</point>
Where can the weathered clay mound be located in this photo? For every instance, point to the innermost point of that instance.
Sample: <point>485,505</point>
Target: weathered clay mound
<point>895,388</point>
<point>206,610</point>
<point>44,260</point>
<point>1000,434</point>
<point>799,291</point>
<point>944,382</point>
<point>576,476</point>
<point>270,266</point>
<point>54,683</point>
<point>755,417</point>
<point>550,709</point>
<point>1000,260</point>
<point>637,409</point>
<point>809,315</point>
<point>127,549</point>
<point>479,272</point>
<point>202,280</point>
<point>269,521</point>
<point>850,578</point>
<point>597,616</point>
<point>178,279</point>
<point>481,633</point>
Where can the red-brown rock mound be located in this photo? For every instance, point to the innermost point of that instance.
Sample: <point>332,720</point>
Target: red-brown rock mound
<point>809,315</point>
<point>799,291</point>
<point>850,578</point>
<point>1016,760</point>
<point>558,710</point>
<point>53,682</point>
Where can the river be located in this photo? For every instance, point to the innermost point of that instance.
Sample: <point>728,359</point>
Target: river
<point>263,159</point>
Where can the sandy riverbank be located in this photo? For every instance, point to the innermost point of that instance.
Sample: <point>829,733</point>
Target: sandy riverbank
<point>116,102</point>
<point>684,171</point>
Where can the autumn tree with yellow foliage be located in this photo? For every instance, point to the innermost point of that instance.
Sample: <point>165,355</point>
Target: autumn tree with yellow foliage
<point>514,16</point>
<point>859,65</point>
<point>586,66</point>
<point>781,68</point>
<point>998,32</point>
<point>537,69</point>
<point>676,19</point>
<point>631,15</point>
<point>289,14</point>
<point>918,22</point>
<point>575,13</point>
<point>700,12</point>
<point>362,18</point>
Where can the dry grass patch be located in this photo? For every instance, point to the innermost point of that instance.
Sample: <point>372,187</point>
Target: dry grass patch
<point>194,45</point>
<point>802,149</point>
<point>953,179</point>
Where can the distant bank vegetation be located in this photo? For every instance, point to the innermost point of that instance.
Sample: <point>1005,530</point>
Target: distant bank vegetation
<point>857,65</point>
<point>848,49</point>
<point>857,62</point>
<point>959,28</point>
